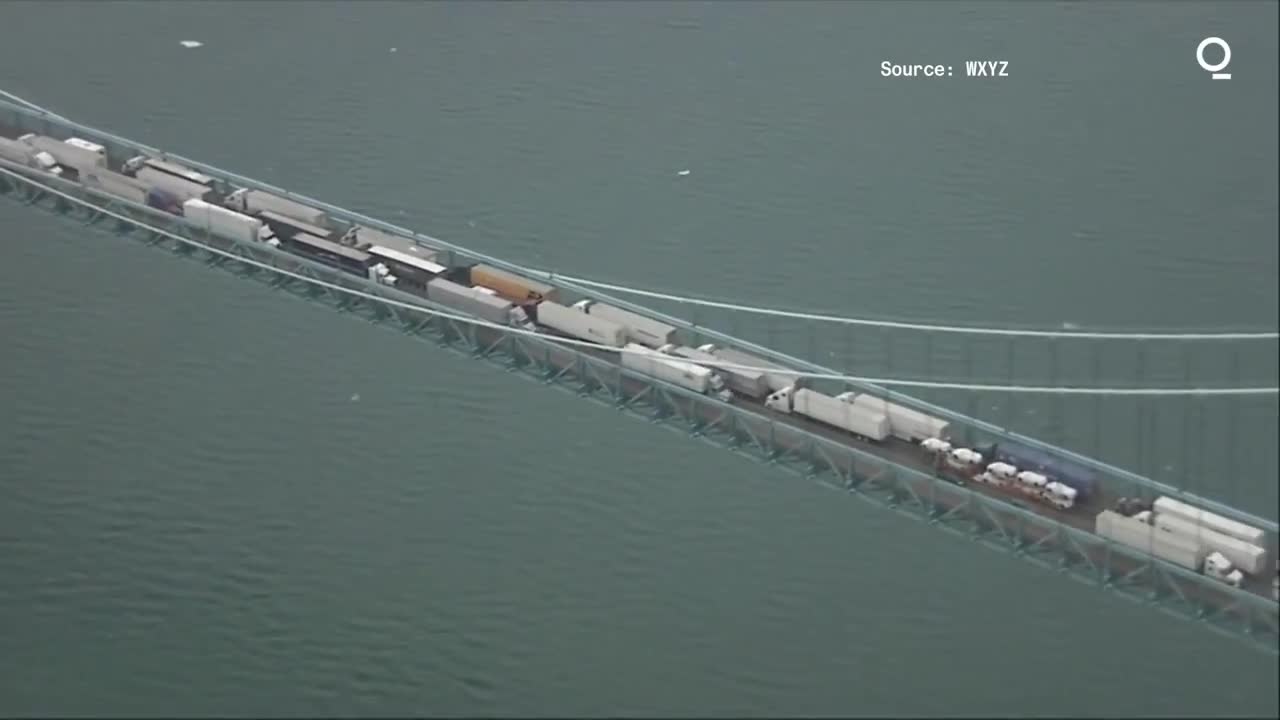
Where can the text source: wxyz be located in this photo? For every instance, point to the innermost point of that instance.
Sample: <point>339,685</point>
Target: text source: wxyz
<point>972,68</point>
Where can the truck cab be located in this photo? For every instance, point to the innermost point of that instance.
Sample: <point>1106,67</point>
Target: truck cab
<point>520,319</point>
<point>717,383</point>
<point>47,163</point>
<point>780,400</point>
<point>965,460</point>
<point>1219,567</point>
<point>268,237</point>
<point>934,445</point>
<point>718,388</point>
<point>380,274</point>
<point>998,474</point>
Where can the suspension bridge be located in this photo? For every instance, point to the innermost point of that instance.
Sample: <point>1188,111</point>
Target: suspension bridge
<point>1152,402</point>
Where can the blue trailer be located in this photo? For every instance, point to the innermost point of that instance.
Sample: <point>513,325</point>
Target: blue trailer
<point>1082,479</point>
<point>161,199</point>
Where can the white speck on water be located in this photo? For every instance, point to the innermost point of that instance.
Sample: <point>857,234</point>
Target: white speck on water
<point>355,397</point>
<point>1070,326</point>
<point>393,49</point>
<point>191,43</point>
<point>682,173</point>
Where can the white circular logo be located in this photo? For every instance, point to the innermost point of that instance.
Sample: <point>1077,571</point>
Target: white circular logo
<point>1226,58</point>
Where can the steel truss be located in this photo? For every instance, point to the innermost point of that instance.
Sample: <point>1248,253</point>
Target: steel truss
<point>992,521</point>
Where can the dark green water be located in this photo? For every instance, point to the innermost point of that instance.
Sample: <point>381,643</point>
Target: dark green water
<point>198,518</point>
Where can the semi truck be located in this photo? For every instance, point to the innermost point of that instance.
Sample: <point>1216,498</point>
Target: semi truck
<point>581,325</point>
<point>364,237</point>
<point>286,226</point>
<point>1138,533</point>
<point>413,270</point>
<point>776,381</point>
<point>1168,506</point>
<point>1249,558</point>
<point>1135,533</point>
<point>480,304</point>
<point>677,372</point>
<point>746,382</point>
<point>184,189</point>
<point>640,329</point>
<point>123,186</point>
<point>328,252</point>
<point>67,155</point>
<point>133,165</point>
<point>226,223</point>
<point>830,411</point>
<point>904,423</point>
<point>1082,479</point>
<point>253,202</point>
<point>511,286</point>
<point>161,199</point>
<point>23,154</point>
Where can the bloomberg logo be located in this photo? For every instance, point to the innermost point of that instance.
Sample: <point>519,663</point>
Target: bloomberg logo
<point>1215,70</point>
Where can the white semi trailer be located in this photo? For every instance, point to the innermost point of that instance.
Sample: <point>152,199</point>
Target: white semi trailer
<point>677,372</point>
<point>226,223</point>
<point>581,325</point>
<point>830,411</point>
<point>256,201</point>
<point>640,329</point>
<point>751,383</point>
<point>776,381</point>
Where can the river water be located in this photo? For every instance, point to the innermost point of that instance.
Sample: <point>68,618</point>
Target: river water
<point>224,500</point>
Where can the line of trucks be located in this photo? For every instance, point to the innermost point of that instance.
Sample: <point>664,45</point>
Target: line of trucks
<point>1190,537</point>
<point>649,347</point>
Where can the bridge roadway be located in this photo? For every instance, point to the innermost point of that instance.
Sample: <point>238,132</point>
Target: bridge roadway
<point>902,453</point>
